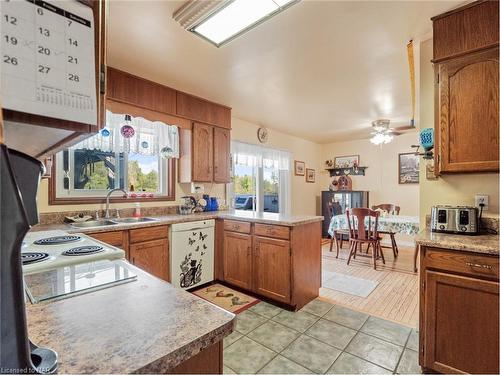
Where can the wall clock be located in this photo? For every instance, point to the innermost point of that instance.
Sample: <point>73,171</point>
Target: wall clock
<point>262,135</point>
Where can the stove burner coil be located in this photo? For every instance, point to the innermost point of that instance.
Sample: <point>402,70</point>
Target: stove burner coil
<point>83,250</point>
<point>29,258</point>
<point>57,240</point>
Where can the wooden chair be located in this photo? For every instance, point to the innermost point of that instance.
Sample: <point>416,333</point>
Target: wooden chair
<point>360,234</point>
<point>391,209</point>
<point>338,234</point>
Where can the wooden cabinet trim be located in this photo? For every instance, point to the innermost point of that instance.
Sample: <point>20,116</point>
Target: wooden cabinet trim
<point>237,226</point>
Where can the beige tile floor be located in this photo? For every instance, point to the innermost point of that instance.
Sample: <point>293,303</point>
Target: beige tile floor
<point>321,338</point>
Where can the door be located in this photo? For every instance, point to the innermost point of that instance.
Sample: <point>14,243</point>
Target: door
<point>152,257</point>
<point>468,113</point>
<point>272,268</point>
<point>221,155</point>
<point>203,153</point>
<point>238,259</point>
<point>460,324</point>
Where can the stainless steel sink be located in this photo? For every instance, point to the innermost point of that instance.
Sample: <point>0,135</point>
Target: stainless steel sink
<point>94,223</point>
<point>134,219</point>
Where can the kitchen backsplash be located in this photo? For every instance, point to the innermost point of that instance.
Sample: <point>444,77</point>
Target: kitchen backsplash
<point>59,217</point>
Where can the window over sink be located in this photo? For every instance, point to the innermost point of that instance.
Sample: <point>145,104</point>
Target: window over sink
<point>86,171</point>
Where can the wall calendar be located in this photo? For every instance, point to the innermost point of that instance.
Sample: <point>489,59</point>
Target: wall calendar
<point>48,59</point>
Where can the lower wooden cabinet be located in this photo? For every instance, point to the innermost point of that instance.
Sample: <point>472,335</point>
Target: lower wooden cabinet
<point>237,263</point>
<point>272,268</point>
<point>152,257</point>
<point>459,312</point>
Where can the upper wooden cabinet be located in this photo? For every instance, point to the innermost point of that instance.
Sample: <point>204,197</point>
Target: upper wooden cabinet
<point>468,113</point>
<point>199,109</point>
<point>467,78</point>
<point>470,28</point>
<point>203,153</point>
<point>222,141</point>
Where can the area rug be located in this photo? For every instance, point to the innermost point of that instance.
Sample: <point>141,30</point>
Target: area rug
<point>227,298</point>
<point>348,284</point>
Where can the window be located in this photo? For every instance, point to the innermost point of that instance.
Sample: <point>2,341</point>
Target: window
<point>88,170</point>
<point>261,178</point>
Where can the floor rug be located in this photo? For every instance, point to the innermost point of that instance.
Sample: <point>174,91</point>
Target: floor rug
<point>227,298</point>
<point>348,284</point>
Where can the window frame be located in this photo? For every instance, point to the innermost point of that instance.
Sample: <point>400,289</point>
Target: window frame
<point>55,200</point>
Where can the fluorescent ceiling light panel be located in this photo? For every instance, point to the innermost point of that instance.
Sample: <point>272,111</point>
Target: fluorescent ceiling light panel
<point>237,17</point>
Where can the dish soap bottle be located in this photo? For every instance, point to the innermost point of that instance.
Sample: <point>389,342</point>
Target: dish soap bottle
<point>137,210</point>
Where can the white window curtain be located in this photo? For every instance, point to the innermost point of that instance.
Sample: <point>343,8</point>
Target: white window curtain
<point>150,137</point>
<point>258,156</point>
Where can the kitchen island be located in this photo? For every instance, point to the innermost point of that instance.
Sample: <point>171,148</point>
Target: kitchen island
<point>144,326</point>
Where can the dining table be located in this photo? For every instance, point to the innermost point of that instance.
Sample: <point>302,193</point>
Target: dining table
<point>403,224</point>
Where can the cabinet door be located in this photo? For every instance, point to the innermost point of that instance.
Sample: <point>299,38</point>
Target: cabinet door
<point>468,113</point>
<point>221,155</point>
<point>460,324</point>
<point>272,268</point>
<point>202,163</point>
<point>152,257</point>
<point>238,259</point>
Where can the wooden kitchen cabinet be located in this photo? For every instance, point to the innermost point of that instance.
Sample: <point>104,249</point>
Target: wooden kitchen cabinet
<point>459,312</point>
<point>221,144</point>
<point>272,263</point>
<point>468,113</point>
<point>199,109</point>
<point>467,76</point>
<point>237,256</point>
<point>202,153</point>
<point>152,257</point>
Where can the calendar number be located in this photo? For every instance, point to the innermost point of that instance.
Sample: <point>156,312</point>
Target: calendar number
<point>11,40</point>
<point>73,60</point>
<point>73,42</point>
<point>44,50</point>
<point>43,69</point>
<point>43,31</point>
<point>10,60</point>
<point>10,19</point>
<point>73,77</point>
<point>40,11</point>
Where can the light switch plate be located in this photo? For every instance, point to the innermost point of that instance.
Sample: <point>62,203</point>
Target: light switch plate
<point>481,198</point>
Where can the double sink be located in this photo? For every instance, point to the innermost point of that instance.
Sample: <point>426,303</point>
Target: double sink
<point>108,222</point>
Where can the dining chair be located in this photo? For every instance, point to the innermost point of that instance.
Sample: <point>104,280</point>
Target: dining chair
<point>338,234</point>
<point>361,233</point>
<point>391,209</point>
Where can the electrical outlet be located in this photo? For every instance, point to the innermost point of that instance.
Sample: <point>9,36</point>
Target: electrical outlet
<point>197,188</point>
<point>481,198</point>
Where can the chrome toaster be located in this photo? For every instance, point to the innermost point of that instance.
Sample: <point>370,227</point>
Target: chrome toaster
<point>454,219</point>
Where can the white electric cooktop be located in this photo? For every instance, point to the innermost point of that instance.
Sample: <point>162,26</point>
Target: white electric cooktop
<point>47,250</point>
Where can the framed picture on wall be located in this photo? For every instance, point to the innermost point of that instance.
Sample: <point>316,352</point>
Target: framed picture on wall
<point>310,175</point>
<point>348,161</point>
<point>408,168</point>
<point>299,168</point>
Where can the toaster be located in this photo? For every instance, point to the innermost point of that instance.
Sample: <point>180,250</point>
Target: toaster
<point>455,219</point>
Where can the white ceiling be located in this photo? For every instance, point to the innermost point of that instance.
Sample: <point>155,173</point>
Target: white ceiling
<point>321,70</point>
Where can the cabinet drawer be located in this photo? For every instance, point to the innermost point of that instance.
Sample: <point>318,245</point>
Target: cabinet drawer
<point>275,231</point>
<point>147,234</point>
<point>467,263</point>
<point>111,238</point>
<point>237,226</point>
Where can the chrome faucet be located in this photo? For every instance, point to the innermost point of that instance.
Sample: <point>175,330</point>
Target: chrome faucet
<point>107,200</point>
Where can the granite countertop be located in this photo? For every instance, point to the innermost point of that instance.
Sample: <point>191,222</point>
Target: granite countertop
<point>141,326</point>
<point>265,218</point>
<point>483,243</point>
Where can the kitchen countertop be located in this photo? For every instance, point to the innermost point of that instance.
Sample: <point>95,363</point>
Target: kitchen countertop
<point>483,243</point>
<point>141,326</point>
<point>264,218</point>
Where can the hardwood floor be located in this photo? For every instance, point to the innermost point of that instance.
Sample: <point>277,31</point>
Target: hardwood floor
<point>396,296</point>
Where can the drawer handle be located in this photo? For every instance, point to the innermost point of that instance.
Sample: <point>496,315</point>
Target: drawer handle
<point>477,265</point>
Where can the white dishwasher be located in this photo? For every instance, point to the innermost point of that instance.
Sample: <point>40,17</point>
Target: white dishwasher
<point>192,253</point>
